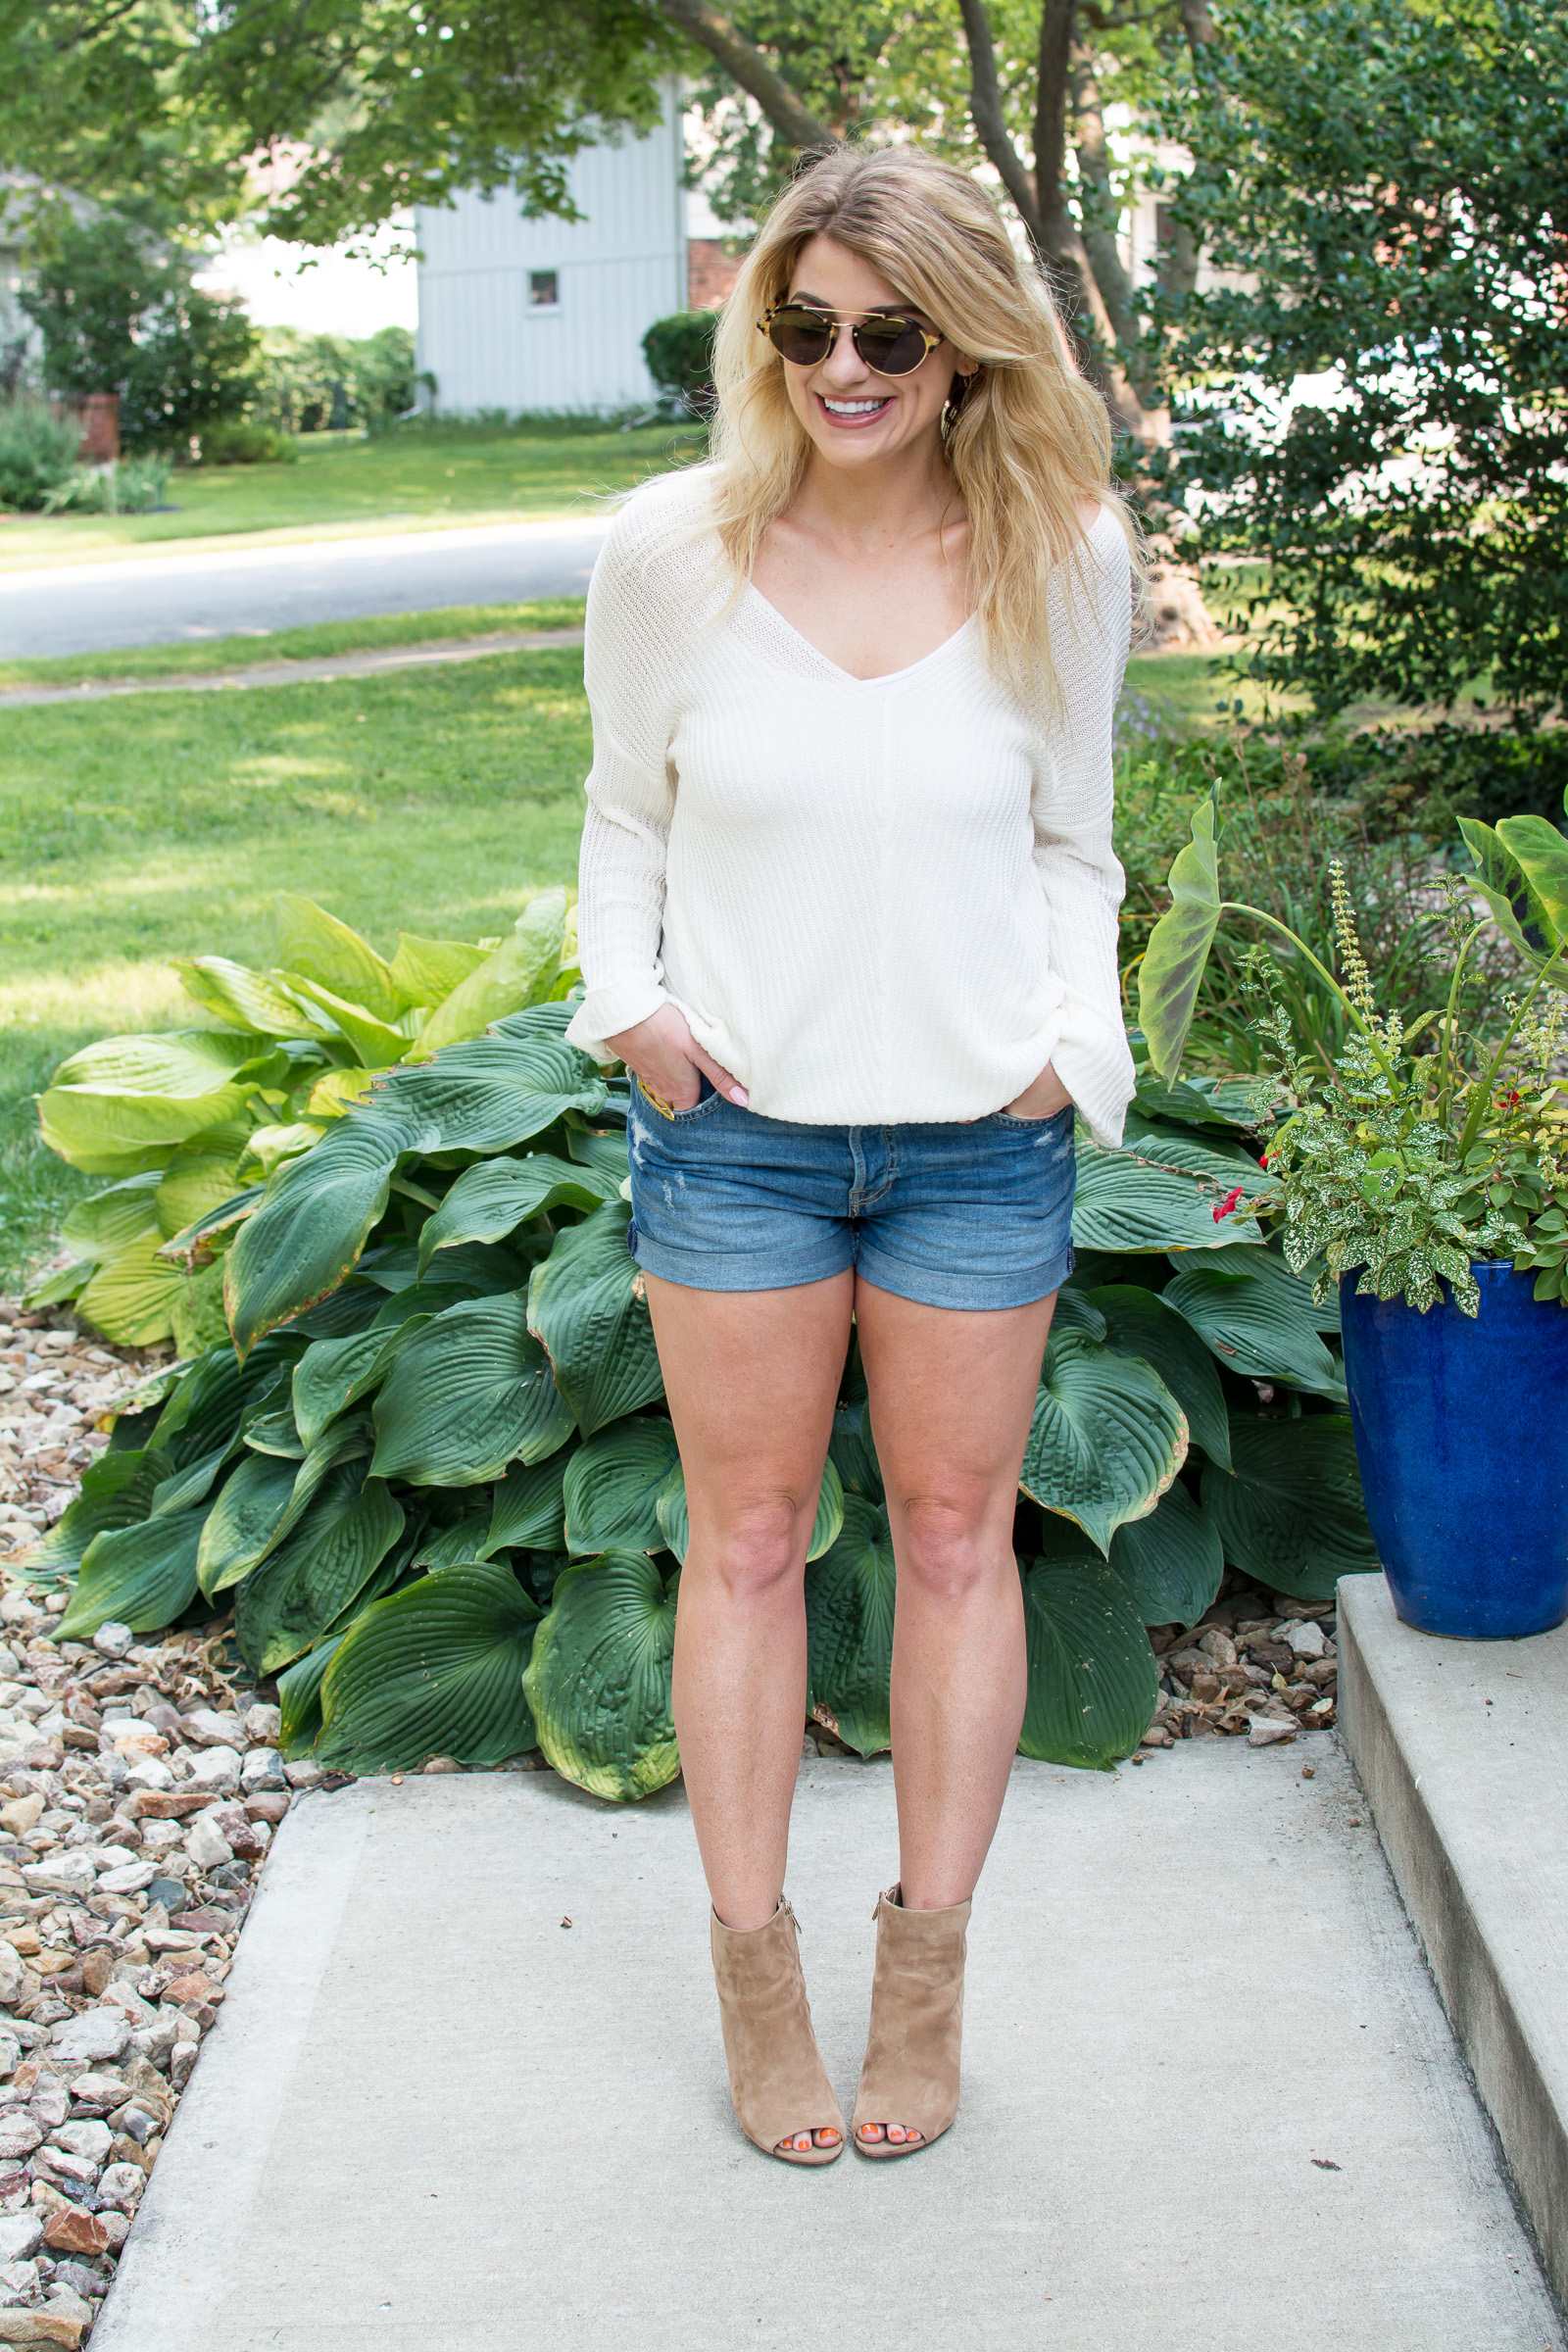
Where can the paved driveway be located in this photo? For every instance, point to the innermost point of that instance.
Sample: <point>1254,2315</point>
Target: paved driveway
<point>173,599</point>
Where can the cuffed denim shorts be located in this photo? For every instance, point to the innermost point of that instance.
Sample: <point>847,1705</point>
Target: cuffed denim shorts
<point>966,1214</point>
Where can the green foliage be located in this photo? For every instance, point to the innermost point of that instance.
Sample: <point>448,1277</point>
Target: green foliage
<point>679,352</point>
<point>38,453</point>
<point>1380,190</point>
<point>320,383</point>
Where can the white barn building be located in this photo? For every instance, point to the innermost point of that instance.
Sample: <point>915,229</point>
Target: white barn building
<point>518,313</point>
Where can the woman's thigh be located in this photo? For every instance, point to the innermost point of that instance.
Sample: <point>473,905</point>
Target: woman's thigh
<point>751,1378</point>
<point>953,1394</point>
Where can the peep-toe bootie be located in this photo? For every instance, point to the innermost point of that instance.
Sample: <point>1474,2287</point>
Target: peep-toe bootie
<point>776,2075</point>
<point>910,2073</point>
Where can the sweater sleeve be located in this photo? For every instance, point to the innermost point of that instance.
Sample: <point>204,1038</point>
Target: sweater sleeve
<point>629,660</point>
<point>1082,882</point>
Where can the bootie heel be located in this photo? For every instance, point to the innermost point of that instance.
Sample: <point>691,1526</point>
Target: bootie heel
<point>776,2075</point>
<point>910,2073</point>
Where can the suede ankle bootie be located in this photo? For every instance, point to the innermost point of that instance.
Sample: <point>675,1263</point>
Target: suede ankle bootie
<point>910,2073</point>
<point>776,2075</point>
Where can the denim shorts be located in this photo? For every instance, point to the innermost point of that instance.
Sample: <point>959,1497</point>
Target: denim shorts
<point>971,1214</point>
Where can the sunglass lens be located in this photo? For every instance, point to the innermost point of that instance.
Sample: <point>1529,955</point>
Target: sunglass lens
<point>891,346</point>
<point>799,336</point>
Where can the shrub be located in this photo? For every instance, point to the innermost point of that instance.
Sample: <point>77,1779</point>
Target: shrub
<point>135,486</point>
<point>679,352</point>
<point>237,441</point>
<point>329,383</point>
<point>37,453</point>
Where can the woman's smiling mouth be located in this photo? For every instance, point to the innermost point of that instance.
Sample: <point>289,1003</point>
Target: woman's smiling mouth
<point>855,412</point>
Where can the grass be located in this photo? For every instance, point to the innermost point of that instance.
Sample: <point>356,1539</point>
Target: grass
<point>211,657</point>
<point>341,484</point>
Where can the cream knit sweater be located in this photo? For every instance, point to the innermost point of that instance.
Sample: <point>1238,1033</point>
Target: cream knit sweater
<point>874,900</point>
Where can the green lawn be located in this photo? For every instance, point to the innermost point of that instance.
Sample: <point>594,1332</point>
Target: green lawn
<point>340,485</point>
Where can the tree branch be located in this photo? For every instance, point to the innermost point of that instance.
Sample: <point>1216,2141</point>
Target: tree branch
<point>1050,121</point>
<point>1099,212</point>
<point>985,109</point>
<point>747,66</point>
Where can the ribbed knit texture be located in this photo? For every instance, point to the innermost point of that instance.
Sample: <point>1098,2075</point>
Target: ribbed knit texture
<point>875,900</point>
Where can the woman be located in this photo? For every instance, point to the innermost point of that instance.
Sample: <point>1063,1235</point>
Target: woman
<point>848,913</point>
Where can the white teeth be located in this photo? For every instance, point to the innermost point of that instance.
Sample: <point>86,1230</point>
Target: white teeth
<point>852,408</point>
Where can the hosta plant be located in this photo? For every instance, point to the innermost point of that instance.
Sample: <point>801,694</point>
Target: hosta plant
<point>1413,1153</point>
<point>429,1465</point>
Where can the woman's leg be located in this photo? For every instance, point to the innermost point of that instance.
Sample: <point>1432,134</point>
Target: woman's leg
<point>952,1396</point>
<point>752,1379</point>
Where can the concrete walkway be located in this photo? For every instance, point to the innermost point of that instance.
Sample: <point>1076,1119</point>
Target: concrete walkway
<point>1211,2101</point>
<point>323,670</point>
<point>163,600</point>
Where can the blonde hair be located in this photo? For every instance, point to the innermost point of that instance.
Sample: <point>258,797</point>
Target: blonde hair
<point>1030,440</point>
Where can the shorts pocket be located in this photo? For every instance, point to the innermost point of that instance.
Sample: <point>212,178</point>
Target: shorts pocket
<point>1006,1118</point>
<point>669,1117</point>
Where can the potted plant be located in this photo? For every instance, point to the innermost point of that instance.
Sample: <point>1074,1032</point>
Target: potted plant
<point>1425,1171</point>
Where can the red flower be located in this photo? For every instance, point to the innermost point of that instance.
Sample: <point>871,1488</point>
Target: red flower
<point>1226,1206</point>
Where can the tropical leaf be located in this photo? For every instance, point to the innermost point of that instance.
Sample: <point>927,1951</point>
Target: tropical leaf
<point>1291,1516</point>
<point>196,1184</point>
<point>427,970</point>
<point>298,1698</point>
<point>494,1197</point>
<point>198,1311</point>
<point>612,1484</point>
<point>107,1222</point>
<point>378,1044</point>
<point>116,1490</point>
<point>1172,969</point>
<point>1106,1439</point>
<point>444,1546</point>
<point>351,1525</point>
<point>139,1576</point>
<point>256,1001</point>
<point>313,1224</point>
<point>1526,900</point>
<point>529,1508</point>
<point>1171,1562</point>
<point>182,1249</point>
<point>852,1453</point>
<point>675,1528</point>
<point>316,945</point>
<point>1257,1316</point>
<point>1137,1322</point>
<point>584,1303</point>
<point>118,1105</point>
<point>599,1677</point>
<point>336,1373</point>
<point>242,1526</point>
<point>849,1594</point>
<point>602,1149</point>
<point>336,1091</point>
<point>519,973</point>
<point>1093,1684</point>
<point>130,1298</point>
<point>493,1093</point>
<point>471,1392</point>
<point>1159,1192</point>
<point>436,1669</point>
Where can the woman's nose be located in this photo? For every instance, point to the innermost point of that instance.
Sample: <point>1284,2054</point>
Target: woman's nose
<point>844,364</point>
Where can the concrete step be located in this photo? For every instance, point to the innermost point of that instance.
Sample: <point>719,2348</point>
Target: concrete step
<point>1212,2102</point>
<point>1462,1748</point>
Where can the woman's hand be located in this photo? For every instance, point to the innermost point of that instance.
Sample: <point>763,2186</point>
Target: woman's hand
<point>664,1053</point>
<point>1041,1099</point>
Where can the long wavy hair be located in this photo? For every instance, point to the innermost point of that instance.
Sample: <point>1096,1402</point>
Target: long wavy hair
<point>1026,438</point>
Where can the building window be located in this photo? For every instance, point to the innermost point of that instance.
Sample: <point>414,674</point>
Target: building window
<point>544,291</point>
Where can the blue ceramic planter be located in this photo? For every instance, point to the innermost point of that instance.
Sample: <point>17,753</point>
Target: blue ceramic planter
<point>1461,1431</point>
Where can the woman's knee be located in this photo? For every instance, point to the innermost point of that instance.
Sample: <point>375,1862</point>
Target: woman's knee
<point>754,1546</point>
<point>948,1546</point>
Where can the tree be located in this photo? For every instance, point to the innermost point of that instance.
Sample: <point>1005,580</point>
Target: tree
<point>1382,190</point>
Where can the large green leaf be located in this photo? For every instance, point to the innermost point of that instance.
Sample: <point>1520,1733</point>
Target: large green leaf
<point>427,970</point>
<point>675,1527</point>
<point>1093,1684</point>
<point>313,1221</point>
<point>1256,1315</point>
<point>584,1303</point>
<point>334,1374</point>
<point>378,1044</point>
<point>116,1490</point>
<point>493,1092</point>
<point>108,1222</point>
<point>471,1392</point>
<point>1137,1322</point>
<point>1172,969</point>
<point>119,1104</point>
<point>312,941</point>
<point>529,1508</point>
<point>603,1150</point>
<point>612,1483</point>
<point>131,1299</point>
<point>1291,1516</point>
<point>494,1197</point>
<point>349,1528</point>
<point>599,1677</point>
<point>849,1594</point>
<point>242,1526</point>
<point>1524,891</point>
<point>1106,1439</point>
<point>436,1669</point>
<point>137,1576</point>
<point>1159,1192</point>
<point>260,1002</point>
<point>518,973</point>
<point>1171,1562</point>
<point>852,1453</point>
<point>196,1184</point>
<point>298,1698</point>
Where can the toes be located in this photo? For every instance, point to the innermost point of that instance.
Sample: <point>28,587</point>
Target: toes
<point>826,2139</point>
<point>799,2144</point>
<point>870,2131</point>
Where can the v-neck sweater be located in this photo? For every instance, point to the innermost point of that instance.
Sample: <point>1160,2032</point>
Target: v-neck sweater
<point>877,901</point>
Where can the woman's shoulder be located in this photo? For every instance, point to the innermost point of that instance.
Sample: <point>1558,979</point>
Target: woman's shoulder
<point>658,557</point>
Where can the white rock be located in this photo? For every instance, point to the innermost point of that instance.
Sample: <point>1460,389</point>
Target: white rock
<point>128,1878</point>
<point>153,2043</point>
<point>263,1768</point>
<point>182,2058</point>
<point>305,1774</point>
<point>112,1640</point>
<point>20,2234</point>
<point>149,1772</point>
<point>204,1727</point>
<point>1217,1644</point>
<point>19,2284</point>
<point>1305,1638</point>
<point>12,1977</point>
<point>121,2185</point>
<point>61,1874</point>
<point>121,1995</point>
<point>215,1768</point>
<point>18,2135</point>
<point>10,2053</point>
<point>83,2138</point>
<point>97,2034</point>
<point>156,1837</point>
<point>66,2304</point>
<point>206,1843</point>
<point>263,1724</point>
<point>136,1741</point>
<point>1266,1732</point>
